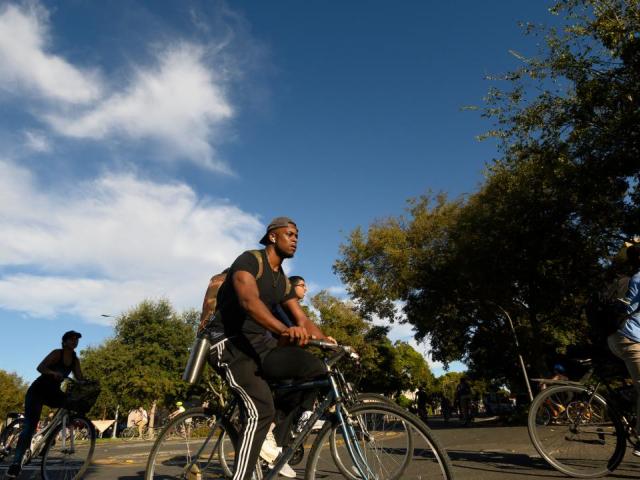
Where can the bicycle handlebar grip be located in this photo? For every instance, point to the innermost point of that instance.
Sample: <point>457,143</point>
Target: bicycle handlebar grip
<point>322,344</point>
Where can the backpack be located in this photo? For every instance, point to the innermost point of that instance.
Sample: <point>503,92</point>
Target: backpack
<point>217,280</point>
<point>607,310</point>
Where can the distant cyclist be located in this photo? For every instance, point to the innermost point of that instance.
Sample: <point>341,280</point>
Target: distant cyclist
<point>45,390</point>
<point>179,409</point>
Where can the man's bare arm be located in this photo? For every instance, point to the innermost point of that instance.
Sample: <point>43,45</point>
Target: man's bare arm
<point>249,298</point>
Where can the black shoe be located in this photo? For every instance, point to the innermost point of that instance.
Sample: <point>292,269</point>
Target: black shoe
<point>14,471</point>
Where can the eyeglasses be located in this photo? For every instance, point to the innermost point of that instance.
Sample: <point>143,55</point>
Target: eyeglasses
<point>301,285</point>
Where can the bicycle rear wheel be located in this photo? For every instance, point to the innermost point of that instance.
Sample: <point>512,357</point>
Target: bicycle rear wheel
<point>576,432</point>
<point>388,443</point>
<point>193,443</point>
<point>69,449</point>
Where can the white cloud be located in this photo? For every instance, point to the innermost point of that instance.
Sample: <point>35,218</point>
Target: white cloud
<point>179,103</point>
<point>27,66</point>
<point>176,104</point>
<point>37,141</point>
<point>104,245</point>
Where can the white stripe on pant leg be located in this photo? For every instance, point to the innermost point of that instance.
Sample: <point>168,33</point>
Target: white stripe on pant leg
<point>252,425</point>
<point>241,455</point>
<point>241,464</point>
<point>252,419</point>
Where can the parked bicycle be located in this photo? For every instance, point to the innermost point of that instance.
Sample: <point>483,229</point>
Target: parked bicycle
<point>582,428</point>
<point>359,439</point>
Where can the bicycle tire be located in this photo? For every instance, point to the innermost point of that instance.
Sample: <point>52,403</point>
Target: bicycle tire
<point>367,399</point>
<point>383,450</point>
<point>9,438</point>
<point>57,460</point>
<point>181,438</point>
<point>585,440</point>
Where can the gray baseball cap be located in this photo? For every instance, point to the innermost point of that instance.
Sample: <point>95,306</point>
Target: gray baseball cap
<point>277,222</point>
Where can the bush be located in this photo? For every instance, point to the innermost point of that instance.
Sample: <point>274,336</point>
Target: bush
<point>404,402</point>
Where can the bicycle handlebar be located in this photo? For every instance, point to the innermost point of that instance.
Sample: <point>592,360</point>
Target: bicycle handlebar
<point>345,349</point>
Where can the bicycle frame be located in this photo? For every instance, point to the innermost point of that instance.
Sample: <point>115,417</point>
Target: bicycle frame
<point>39,439</point>
<point>335,398</point>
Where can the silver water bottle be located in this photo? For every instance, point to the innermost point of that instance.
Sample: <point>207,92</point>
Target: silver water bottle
<point>197,359</point>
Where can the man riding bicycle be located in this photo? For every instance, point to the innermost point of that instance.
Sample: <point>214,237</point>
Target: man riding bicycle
<point>245,350</point>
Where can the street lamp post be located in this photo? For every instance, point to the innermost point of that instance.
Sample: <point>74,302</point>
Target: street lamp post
<point>515,337</point>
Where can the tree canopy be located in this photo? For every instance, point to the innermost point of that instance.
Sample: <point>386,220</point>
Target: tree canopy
<point>385,367</point>
<point>536,238</point>
<point>12,391</point>
<point>144,361</point>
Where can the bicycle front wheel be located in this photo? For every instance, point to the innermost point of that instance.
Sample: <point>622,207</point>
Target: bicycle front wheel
<point>9,440</point>
<point>194,444</point>
<point>576,432</point>
<point>380,442</point>
<point>69,449</point>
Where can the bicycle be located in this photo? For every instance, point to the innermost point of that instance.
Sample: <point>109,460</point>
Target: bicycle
<point>582,428</point>
<point>133,433</point>
<point>66,444</point>
<point>359,439</point>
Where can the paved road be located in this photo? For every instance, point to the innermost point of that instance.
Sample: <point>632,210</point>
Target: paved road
<point>484,451</point>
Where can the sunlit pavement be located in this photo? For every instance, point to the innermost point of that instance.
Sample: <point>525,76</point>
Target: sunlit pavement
<point>483,451</point>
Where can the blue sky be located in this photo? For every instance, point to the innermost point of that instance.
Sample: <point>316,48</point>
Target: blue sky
<point>144,145</point>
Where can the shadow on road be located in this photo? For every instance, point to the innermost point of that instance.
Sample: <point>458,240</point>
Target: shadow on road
<point>139,476</point>
<point>504,462</point>
<point>521,465</point>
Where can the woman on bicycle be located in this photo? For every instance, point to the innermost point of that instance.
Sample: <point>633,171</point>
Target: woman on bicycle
<point>45,390</point>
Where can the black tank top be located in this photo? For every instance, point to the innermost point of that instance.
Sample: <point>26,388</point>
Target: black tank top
<point>59,367</point>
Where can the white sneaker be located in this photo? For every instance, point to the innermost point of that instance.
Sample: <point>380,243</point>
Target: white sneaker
<point>270,450</point>
<point>306,415</point>
<point>285,471</point>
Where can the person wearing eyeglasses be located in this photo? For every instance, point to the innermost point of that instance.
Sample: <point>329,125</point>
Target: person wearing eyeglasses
<point>299,286</point>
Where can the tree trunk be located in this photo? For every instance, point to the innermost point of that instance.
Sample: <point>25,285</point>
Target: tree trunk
<point>152,414</point>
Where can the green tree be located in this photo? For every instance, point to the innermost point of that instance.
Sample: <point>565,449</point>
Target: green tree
<point>143,363</point>
<point>12,392</point>
<point>536,237</point>
<point>384,367</point>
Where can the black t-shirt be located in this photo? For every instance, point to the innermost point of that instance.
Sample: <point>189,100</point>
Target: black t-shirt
<point>231,318</point>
